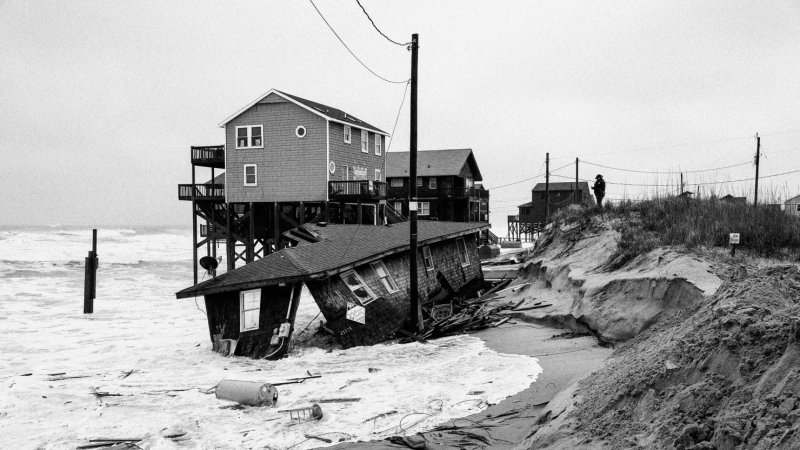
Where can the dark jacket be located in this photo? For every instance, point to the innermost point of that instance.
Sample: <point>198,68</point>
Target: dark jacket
<point>599,187</point>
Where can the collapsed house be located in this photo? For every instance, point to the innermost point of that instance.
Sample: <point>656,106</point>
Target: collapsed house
<point>357,275</point>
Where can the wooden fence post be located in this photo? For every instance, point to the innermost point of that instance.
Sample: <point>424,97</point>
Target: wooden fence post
<point>90,281</point>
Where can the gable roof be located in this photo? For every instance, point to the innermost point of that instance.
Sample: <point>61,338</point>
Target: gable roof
<point>327,112</point>
<point>340,247</point>
<point>562,186</point>
<point>433,163</point>
<point>794,199</point>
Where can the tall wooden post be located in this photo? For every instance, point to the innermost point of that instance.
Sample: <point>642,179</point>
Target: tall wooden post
<point>358,211</point>
<point>577,196</point>
<point>327,211</point>
<point>414,315</point>
<point>547,188</point>
<point>758,156</point>
<point>229,242</point>
<point>194,225</point>
<point>302,213</point>
<point>90,280</point>
<point>251,235</point>
<point>276,224</point>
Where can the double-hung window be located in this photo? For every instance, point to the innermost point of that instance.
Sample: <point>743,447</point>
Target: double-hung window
<point>398,206</point>
<point>251,175</point>
<point>360,289</point>
<point>347,134</point>
<point>461,246</point>
<point>423,208</point>
<point>250,136</point>
<point>377,175</point>
<point>432,183</point>
<point>427,257</point>
<point>396,182</point>
<point>249,309</point>
<point>364,141</point>
<point>419,181</point>
<point>378,144</point>
<point>384,275</point>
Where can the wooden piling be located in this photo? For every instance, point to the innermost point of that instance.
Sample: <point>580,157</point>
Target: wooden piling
<point>90,280</point>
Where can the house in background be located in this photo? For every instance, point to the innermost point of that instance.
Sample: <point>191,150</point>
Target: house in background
<point>358,276</point>
<point>792,206</point>
<point>532,214</point>
<point>448,185</point>
<point>287,161</point>
<point>731,199</point>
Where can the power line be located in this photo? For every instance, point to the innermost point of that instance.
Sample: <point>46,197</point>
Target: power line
<point>348,48</point>
<point>667,173</point>
<point>556,170</point>
<point>379,31</point>
<point>693,184</point>
<point>398,117</point>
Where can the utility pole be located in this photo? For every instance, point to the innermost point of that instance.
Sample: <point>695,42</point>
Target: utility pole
<point>758,156</point>
<point>577,198</point>
<point>547,187</point>
<point>414,316</point>
<point>681,192</point>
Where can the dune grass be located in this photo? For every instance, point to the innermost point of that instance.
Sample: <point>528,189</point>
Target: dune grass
<point>765,230</point>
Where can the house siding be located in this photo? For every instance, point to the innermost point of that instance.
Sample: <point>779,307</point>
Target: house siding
<point>791,206</point>
<point>223,312</point>
<point>388,313</point>
<point>350,155</point>
<point>289,168</point>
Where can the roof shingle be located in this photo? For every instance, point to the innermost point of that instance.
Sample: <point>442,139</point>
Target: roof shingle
<point>433,163</point>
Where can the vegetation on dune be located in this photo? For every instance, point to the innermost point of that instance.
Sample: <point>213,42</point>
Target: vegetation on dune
<point>694,223</point>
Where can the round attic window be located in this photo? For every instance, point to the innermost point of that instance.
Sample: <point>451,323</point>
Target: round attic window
<point>300,131</point>
<point>332,167</point>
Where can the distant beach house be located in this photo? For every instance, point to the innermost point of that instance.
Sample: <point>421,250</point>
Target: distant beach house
<point>358,276</point>
<point>448,185</point>
<point>532,214</point>
<point>731,199</point>
<point>792,206</point>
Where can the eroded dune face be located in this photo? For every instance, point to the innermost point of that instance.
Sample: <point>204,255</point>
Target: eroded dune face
<point>703,361</point>
<point>618,304</point>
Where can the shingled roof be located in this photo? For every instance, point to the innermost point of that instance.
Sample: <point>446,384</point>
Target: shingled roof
<point>340,247</point>
<point>433,163</point>
<point>330,113</point>
<point>562,186</point>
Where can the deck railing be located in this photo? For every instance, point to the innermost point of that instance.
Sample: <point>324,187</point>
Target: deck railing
<point>440,192</point>
<point>357,190</point>
<point>211,156</point>
<point>202,192</point>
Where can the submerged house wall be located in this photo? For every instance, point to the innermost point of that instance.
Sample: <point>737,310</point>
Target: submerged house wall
<point>387,313</point>
<point>224,317</point>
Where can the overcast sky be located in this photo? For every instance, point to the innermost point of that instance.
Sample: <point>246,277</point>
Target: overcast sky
<point>100,101</point>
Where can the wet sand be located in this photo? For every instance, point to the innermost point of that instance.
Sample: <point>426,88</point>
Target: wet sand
<point>564,361</point>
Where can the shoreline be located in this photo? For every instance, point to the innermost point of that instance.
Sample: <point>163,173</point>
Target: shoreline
<point>564,361</point>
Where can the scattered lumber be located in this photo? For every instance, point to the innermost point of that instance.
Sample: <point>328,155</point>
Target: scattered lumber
<point>334,400</point>
<point>311,436</point>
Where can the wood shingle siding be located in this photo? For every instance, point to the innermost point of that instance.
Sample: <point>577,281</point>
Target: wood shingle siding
<point>350,155</point>
<point>289,168</point>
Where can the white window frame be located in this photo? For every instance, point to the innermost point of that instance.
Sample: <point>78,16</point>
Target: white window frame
<point>386,279</point>
<point>249,129</point>
<point>297,132</point>
<point>798,207</point>
<point>398,206</point>
<point>463,255</point>
<point>419,182</point>
<point>242,309</point>
<point>255,175</point>
<point>372,295</point>
<point>364,141</point>
<point>423,208</point>
<point>427,258</point>
<point>377,174</point>
<point>348,134</point>
<point>396,182</point>
<point>378,148</point>
<point>432,183</point>
<point>346,172</point>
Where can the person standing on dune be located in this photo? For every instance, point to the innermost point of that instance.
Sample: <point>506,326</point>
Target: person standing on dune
<point>599,189</point>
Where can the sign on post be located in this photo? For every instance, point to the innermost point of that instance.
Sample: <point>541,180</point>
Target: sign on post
<point>733,238</point>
